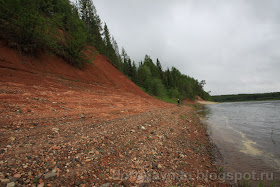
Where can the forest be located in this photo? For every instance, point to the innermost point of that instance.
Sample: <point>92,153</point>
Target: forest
<point>247,97</point>
<point>67,29</point>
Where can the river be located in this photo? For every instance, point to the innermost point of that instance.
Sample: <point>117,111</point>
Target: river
<point>247,135</point>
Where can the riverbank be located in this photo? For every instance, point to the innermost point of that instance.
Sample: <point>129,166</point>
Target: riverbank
<point>91,127</point>
<point>158,148</point>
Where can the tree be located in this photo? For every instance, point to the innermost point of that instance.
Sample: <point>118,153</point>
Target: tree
<point>86,12</point>
<point>159,69</point>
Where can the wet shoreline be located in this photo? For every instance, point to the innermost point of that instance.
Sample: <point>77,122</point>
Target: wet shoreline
<point>240,153</point>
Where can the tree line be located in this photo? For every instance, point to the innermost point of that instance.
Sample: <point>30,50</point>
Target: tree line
<point>67,29</point>
<point>247,97</point>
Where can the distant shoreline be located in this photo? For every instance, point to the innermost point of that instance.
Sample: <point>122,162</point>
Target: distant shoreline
<point>247,101</point>
<point>247,97</point>
<point>207,102</point>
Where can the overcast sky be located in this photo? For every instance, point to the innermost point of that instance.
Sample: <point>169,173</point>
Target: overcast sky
<point>232,44</point>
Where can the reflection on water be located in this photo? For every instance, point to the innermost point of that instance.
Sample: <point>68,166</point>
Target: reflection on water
<point>247,135</point>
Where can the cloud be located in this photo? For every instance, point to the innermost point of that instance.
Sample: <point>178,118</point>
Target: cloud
<point>233,45</point>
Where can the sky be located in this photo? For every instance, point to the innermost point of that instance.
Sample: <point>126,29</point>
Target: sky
<point>232,44</point>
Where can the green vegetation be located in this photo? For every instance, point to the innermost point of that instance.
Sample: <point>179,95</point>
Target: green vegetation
<point>247,97</point>
<point>168,85</point>
<point>69,30</point>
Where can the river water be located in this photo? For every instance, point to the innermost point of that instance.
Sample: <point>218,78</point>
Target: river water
<point>247,135</point>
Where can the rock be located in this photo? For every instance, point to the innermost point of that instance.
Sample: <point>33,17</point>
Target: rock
<point>5,180</point>
<point>55,147</point>
<point>13,179</point>
<point>17,175</point>
<point>154,165</point>
<point>144,185</point>
<point>181,155</point>
<point>82,116</point>
<point>132,131</point>
<point>11,184</point>
<point>2,176</point>
<point>8,146</point>
<point>11,162</point>
<point>143,128</point>
<point>77,182</point>
<point>159,166</point>
<point>41,185</point>
<point>105,185</point>
<point>12,138</point>
<point>50,175</point>
<point>125,183</point>
<point>55,129</point>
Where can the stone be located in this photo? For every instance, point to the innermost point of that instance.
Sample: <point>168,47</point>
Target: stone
<point>50,175</point>
<point>55,129</point>
<point>5,180</point>
<point>41,185</point>
<point>144,185</point>
<point>11,184</point>
<point>11,162</point>
<point>55,147</point>
<point>2,176</point>
<point>77,182</point>
<point>154,165</point>
<point>17,175</point>
<point>105,185</point>
<point>125,183</point>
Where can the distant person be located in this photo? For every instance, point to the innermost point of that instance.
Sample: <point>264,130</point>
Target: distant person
<point>178,101</point>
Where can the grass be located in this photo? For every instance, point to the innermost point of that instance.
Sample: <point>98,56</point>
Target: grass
<point>166,99</point>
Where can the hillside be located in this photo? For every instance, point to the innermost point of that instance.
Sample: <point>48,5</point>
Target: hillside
<point>92,127</point>
<point>47,87</point>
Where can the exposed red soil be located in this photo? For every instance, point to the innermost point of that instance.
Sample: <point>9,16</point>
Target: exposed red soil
<point>47,87</point>
<point>61,126</point>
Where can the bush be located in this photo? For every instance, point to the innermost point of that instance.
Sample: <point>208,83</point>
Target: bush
<point>173,93</point>
<point>157,88</point>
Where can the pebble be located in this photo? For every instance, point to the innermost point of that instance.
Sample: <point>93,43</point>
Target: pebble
<point>50,175</point>
<point>105,185</point>
<point>17,175</point>
<point>41,185</point>
<point>5,180</point>
<point>11,184</point>
<point>77,182</point>
<point>55,129</point>
<point>144,185</point>
<point>55,147</point>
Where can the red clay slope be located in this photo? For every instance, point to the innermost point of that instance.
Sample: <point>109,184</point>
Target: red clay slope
<point>46,90</point>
